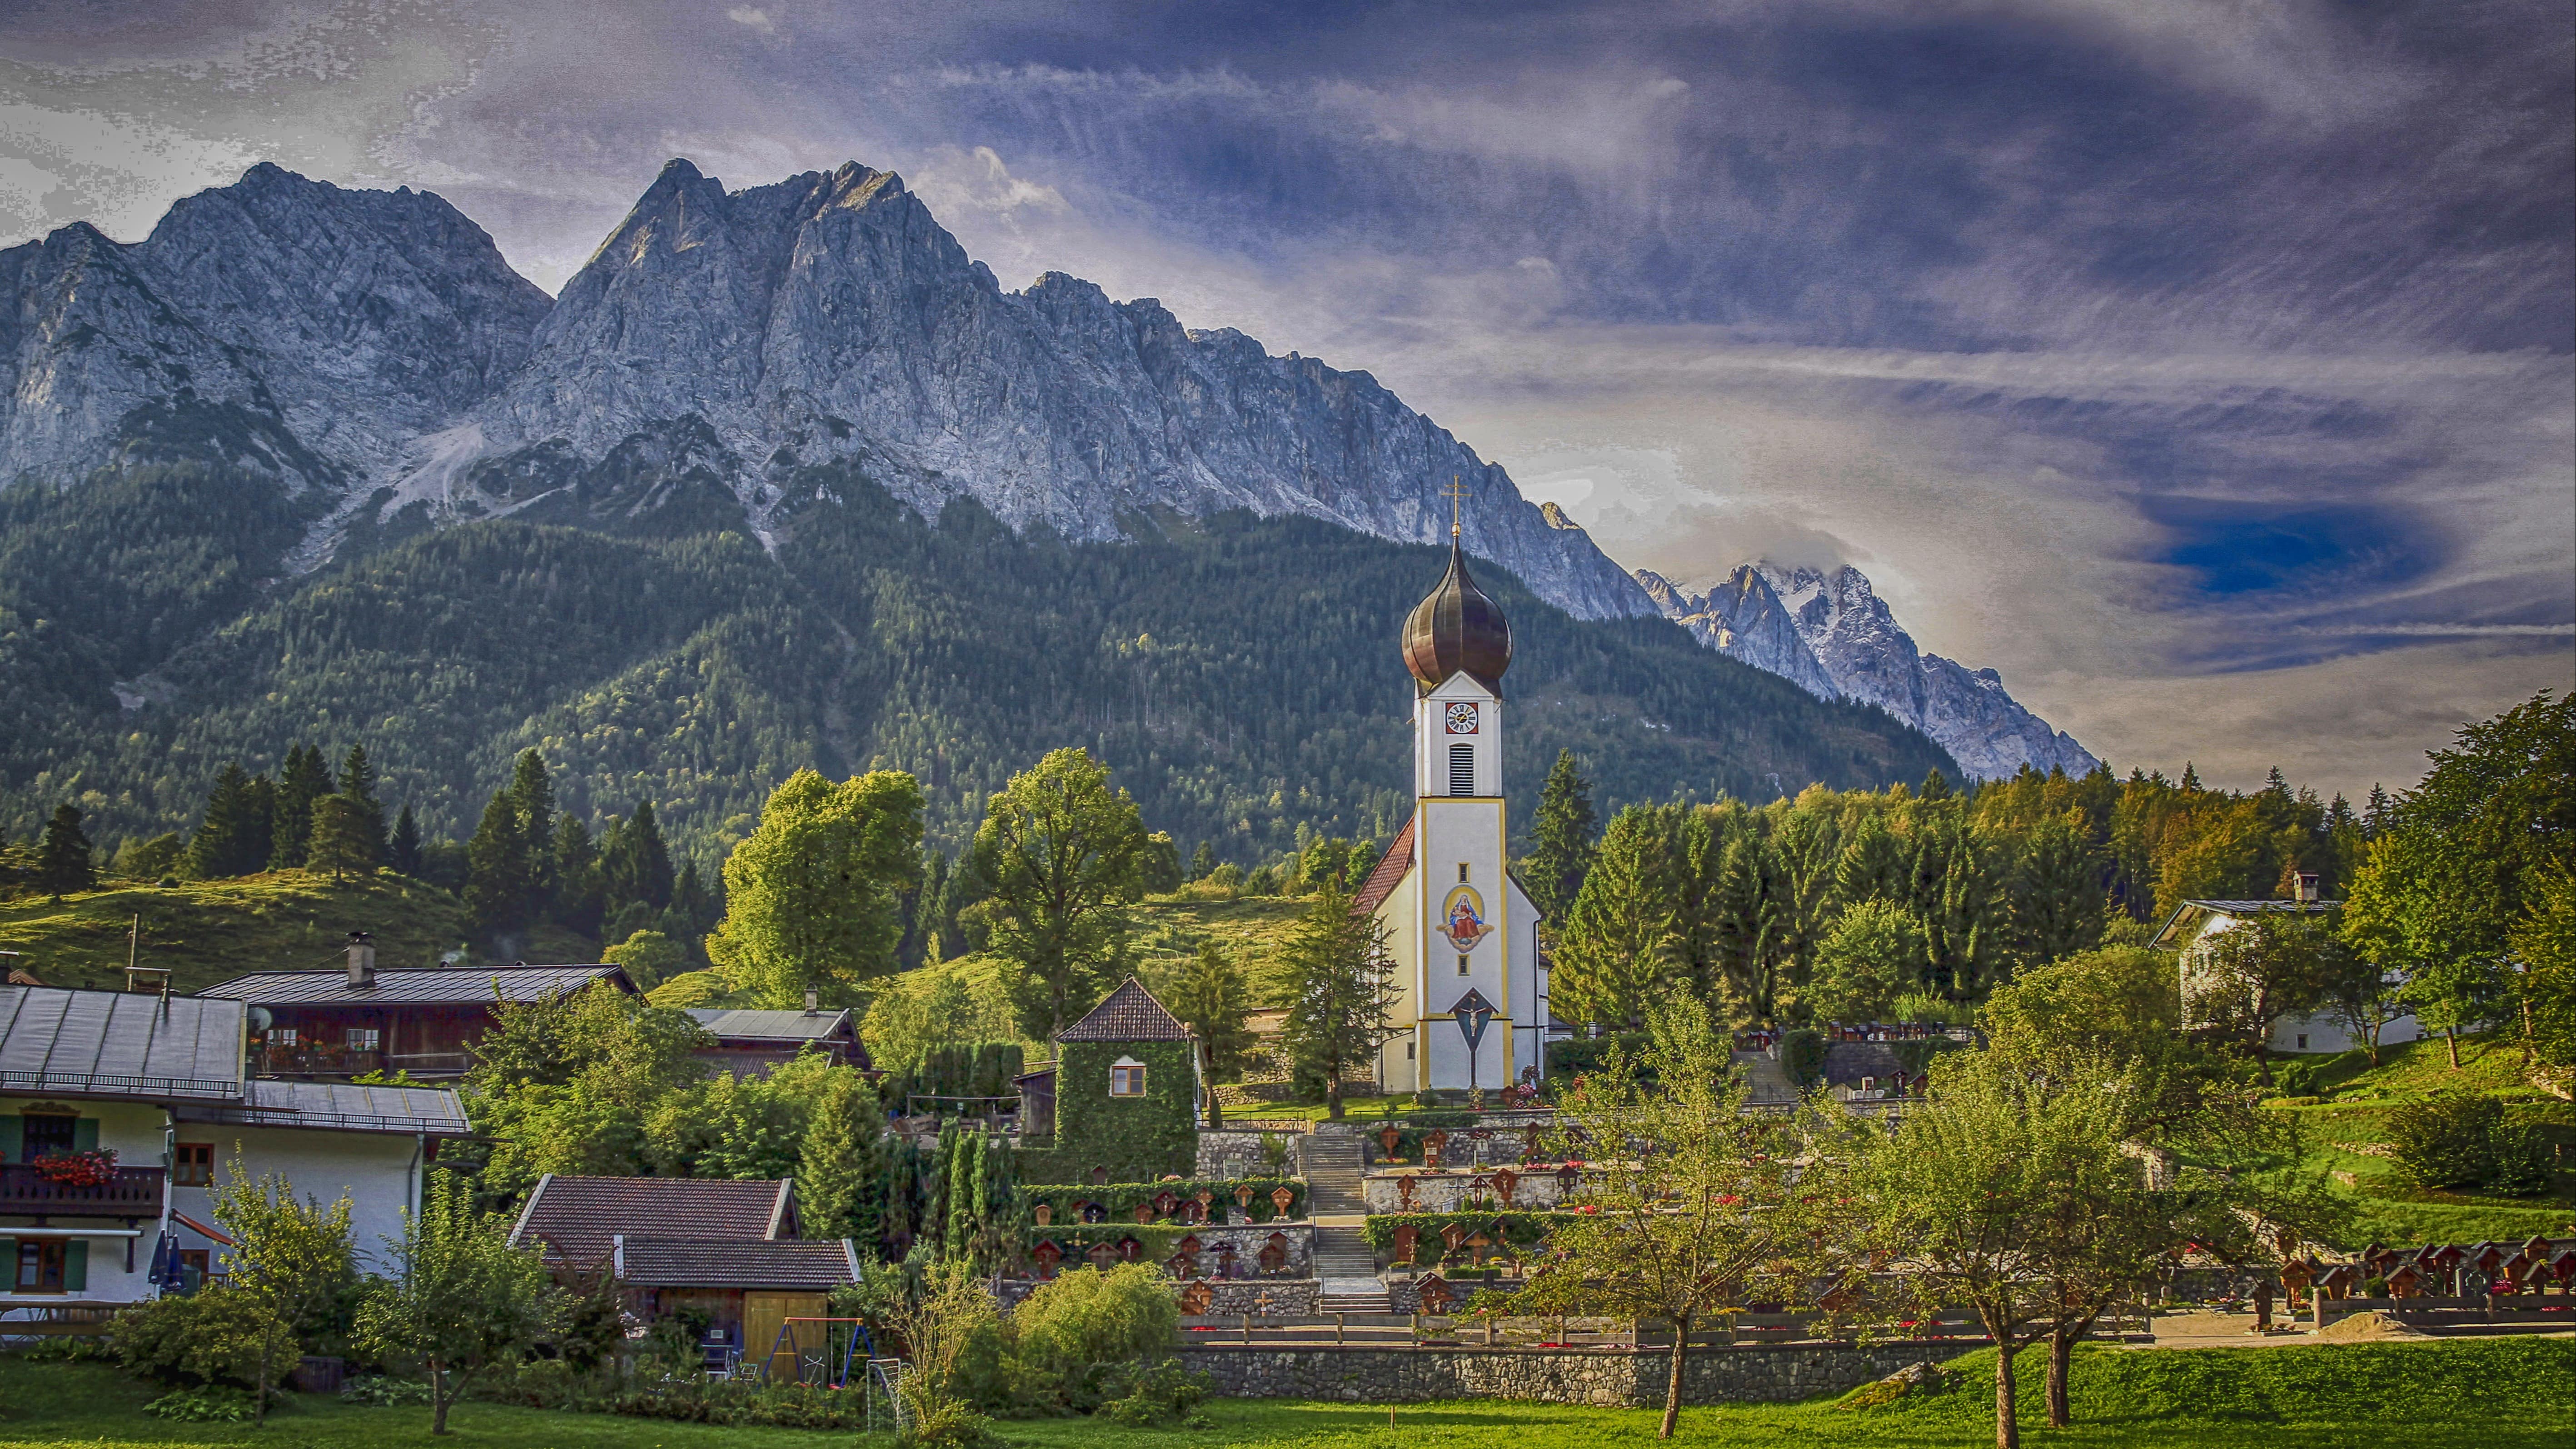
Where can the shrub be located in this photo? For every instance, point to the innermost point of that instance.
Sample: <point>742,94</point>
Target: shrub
<point>1075,1334</point>
<point>1802,1055</point>
<point>2446,1140</point>
<point>2525,1161</point>
<point>213,1337</point>
<point>1159,1393</point>
<point>383,1392</point>
<point>214,1405</point>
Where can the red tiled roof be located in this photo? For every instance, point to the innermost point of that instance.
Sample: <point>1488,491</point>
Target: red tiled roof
<point>1130,1014</point>
<point>1389,874</point>
<point>705,1263</point>
<point>580,1215</point>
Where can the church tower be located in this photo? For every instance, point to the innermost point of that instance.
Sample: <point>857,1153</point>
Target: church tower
<point>1462,933</point>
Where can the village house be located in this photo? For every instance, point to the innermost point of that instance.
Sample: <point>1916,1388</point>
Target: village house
<point>118,1110</point>
<point>2187,933</point>
<point>354,1020</point>
<point>756,1043</point>
<point>726,1249</point>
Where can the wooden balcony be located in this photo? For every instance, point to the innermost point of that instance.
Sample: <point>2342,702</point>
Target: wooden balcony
<point>132,1192</point>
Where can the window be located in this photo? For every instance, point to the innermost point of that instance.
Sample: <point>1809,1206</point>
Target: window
<point>1462,965</point>
<point>1462,769</point>
<point>1462,872</point>
<point>192,1164</point>
<point>2303,1041</point>
<point>48,1132</point>
<point>1127,1078</point>
<point>40,1265</point>
<point>282,1036</point>
<point>360,1039</point>
<point>1408,1051</point>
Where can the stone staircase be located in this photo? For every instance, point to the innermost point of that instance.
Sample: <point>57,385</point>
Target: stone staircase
<point>1344,1264</point>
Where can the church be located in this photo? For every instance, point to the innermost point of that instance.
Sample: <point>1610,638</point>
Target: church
<point>1462,935</point>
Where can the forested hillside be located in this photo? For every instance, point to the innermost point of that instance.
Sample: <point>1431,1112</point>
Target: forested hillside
<point>1240,675</point>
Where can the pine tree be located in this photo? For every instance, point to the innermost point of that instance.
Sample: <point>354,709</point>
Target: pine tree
<point>1345,993</point>
<point>532,793</point>
<point>2190,779</point>
<point>2056,898</point>
<point>339,842</point>
<point>2374,816</point>
<point>634,865</point>
<point>1936,786</point>
<point>227,842</point>
<point>301,781</point>
<point>840,1175</point>
<point>1619,946</point>
<point>63,860</point>
<point>358,783</point>
<point>577,902</point>
<point>1562,842</point>
<point>496,863</point>
<point>403,851</point>
<point>1203,861</point>
<point>1212,1003</point>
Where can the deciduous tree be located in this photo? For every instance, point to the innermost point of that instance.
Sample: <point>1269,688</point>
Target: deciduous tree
<point>464,1300</point>
<point>296,1257</point>
<point>811,896</point>
<point>1061,856</point>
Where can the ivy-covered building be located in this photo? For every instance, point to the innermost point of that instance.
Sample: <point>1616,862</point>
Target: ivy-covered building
<point>1125,1091</point>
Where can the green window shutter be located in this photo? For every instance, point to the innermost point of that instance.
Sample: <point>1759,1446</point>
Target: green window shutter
<point>76,1266</point>
<point>85,1134</point>
<point>13,1138</point>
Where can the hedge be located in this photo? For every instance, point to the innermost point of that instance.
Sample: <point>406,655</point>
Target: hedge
<point>1523,1231</point>
<point>1122,1198</point>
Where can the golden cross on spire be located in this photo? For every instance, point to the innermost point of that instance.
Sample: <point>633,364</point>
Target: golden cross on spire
<point>1453,493</point>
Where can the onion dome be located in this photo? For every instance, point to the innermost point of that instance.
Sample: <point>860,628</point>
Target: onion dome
<point>1457,628</point>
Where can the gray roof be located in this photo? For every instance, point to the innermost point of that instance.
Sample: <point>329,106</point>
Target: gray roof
<point>771,1025</point>
<point>2256,908</point>
<point>60,1041</point>
<point>341,1107</point>
<point>434,986</point>
<point>701,1263</point>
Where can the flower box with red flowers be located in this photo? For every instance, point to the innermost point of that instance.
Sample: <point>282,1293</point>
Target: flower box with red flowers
<point>78,1169</point>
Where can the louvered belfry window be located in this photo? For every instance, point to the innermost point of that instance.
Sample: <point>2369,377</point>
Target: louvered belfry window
<point>1462,769</point>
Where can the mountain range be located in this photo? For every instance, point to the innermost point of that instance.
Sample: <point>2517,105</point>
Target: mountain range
<point>1830,634</point>
<point>301,442</point>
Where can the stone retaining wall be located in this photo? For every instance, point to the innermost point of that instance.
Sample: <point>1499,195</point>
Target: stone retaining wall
<point>1610,1377</point>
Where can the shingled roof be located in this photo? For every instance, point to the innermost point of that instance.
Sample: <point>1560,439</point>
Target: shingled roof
<point>1389,874</point>
<point>1130,1014</point>
<point>583,1216</point>
<point>706,1263</point>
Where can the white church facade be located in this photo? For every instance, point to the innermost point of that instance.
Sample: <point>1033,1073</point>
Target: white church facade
<point>1462,936</point>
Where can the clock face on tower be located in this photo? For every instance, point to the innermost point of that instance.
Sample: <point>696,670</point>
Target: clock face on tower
<point>1462,718</point>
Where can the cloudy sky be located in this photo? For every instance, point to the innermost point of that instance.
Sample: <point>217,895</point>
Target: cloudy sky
<point>2203,365</point>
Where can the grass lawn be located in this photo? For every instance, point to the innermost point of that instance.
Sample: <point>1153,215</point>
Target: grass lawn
<point>2346,1129</point>
<point>2494,1393</point>
<point>208,931</point>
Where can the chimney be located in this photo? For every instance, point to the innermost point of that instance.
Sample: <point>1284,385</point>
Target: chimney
<point>362,961</point>
<point>813,1001</point>
<point>2308,892</point>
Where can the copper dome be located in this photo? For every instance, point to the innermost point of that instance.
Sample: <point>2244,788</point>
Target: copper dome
<point>1456,627</point>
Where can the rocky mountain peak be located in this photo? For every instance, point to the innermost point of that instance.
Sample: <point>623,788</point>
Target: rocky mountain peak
<point>1828,630</point>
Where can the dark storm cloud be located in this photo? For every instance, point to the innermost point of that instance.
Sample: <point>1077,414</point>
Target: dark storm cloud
<point>2154,350</point>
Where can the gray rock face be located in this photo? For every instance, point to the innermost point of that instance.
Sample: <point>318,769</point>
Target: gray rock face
<point>829,317</point>
<point>1743,617</point>
<point>1833,635</point>
<point>286,325</point>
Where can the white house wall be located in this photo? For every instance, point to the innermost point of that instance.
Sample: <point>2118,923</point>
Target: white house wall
<point>135,1132</point>
<point>377,1171</point>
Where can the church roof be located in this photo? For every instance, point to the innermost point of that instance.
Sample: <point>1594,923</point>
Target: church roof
<point>1389,874</point>
<point>1130,1014</point>
<point>1457,628</point>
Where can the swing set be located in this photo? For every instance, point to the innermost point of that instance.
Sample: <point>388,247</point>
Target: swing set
<point>825,1352</point>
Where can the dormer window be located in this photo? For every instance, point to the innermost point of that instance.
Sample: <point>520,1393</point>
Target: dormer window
<point>1127,1078</point>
